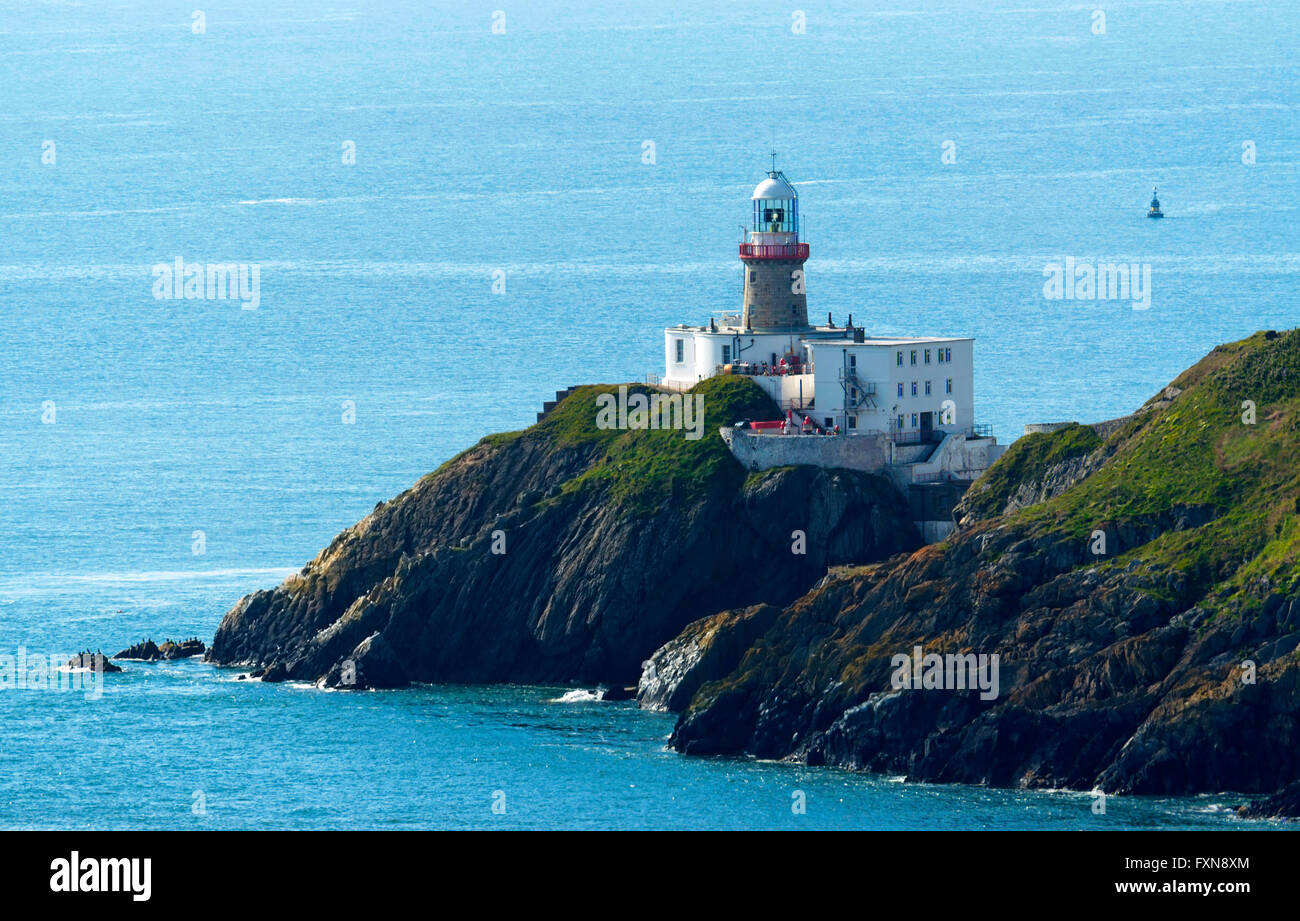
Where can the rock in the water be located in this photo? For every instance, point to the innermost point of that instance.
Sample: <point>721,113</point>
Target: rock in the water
<point>93,660</point>
<point>148,651</point>
<point>1284,804</point>
<point>185,649</point>
<point>273,673</point>
<point>141,652</point>
<point>371,665</point>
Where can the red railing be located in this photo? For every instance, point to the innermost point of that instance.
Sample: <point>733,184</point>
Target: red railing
<point>774,251</point>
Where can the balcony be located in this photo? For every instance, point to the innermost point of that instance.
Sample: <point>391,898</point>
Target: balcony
<point>795,251</point>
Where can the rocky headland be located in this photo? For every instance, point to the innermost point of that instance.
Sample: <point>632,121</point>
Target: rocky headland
<point>1140,590</point>
<point>564,552</point>
<point>1136,579</point>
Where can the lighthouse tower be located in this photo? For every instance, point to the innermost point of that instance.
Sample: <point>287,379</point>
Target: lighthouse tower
<point>775,298</point>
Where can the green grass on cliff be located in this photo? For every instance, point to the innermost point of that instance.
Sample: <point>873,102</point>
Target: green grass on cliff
<point>643,469</point>
<point>1027,461</point>
<point>1197,451</point>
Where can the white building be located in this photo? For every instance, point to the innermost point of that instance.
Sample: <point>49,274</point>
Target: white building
<point>905,387</point>
<point>911,389</point>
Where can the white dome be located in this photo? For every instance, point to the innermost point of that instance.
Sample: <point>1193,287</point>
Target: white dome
<point>774,187</point>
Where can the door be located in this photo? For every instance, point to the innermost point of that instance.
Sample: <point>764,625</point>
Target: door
<point>927,425</point>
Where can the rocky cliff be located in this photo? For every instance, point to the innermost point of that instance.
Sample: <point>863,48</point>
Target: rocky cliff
<point>562,552</point>
<point>1140,590</point>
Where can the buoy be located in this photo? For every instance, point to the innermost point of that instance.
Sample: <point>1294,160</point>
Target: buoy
<point>1155,206</point>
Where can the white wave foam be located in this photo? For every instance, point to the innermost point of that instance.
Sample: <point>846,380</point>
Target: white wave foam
<point>281,201</point>
<point>578,696</point>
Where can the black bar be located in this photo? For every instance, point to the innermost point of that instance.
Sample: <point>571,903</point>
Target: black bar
<point>303,871</point>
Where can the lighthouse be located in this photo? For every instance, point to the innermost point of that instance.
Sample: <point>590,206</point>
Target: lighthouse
<point>908,389</point>
<point>903,406</point>
<point>775,296</point>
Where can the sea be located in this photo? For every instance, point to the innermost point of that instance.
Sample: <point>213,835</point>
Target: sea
<point>452,210</point>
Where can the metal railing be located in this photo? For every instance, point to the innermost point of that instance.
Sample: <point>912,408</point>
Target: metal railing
<point>921,436</point>
<point>917,437</point>
<point>937,477</point>
<point>962,478</point>
<point>851,377</point>
<point>654,380</point>
<point>774,251</point>
<point>762,369</point>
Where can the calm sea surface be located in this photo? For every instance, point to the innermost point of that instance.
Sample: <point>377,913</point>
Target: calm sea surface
<point>128,424</point>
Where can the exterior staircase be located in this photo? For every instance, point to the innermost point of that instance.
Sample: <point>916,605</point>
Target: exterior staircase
<point>551,404</point>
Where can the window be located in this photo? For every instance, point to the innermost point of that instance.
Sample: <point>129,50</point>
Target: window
<point>829,422</point>
<point>853,394</point>
<point>949,386</point>
<point>900,360</point>
<point>853,422</point>
<point>900,388</point>
<point>915,421</point>
<point>927,388</point>
<point>913,388</point>
<point>927,356</point>
<point>913,356</point>
<point>681,350</point>
<point>941,351</point>
<point>726,354</point>
<point>949,352</point>
<point>900,419</point>
<point>753,277</point>
<point>853,362</point>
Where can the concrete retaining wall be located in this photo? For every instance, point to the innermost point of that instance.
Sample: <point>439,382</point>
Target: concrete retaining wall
<point>868,453</point>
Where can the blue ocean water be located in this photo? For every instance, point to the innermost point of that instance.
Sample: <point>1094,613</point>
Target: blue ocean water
<point>128,424</point>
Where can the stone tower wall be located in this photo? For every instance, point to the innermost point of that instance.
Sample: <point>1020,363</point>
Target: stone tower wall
<point>769,296</point>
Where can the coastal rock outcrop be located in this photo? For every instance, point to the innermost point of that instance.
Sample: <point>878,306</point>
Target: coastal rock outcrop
<point>149,651</point>
<point>1284,804</point>
<point>96,661</point>
<point>565,552</point>
<point>146,651</point>
<point>373,664</point>
<point>1144,611</point>
<point>705,651</point>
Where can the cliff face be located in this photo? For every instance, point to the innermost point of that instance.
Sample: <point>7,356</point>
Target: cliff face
<point>1142,595</point>
<point>563,552</point>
